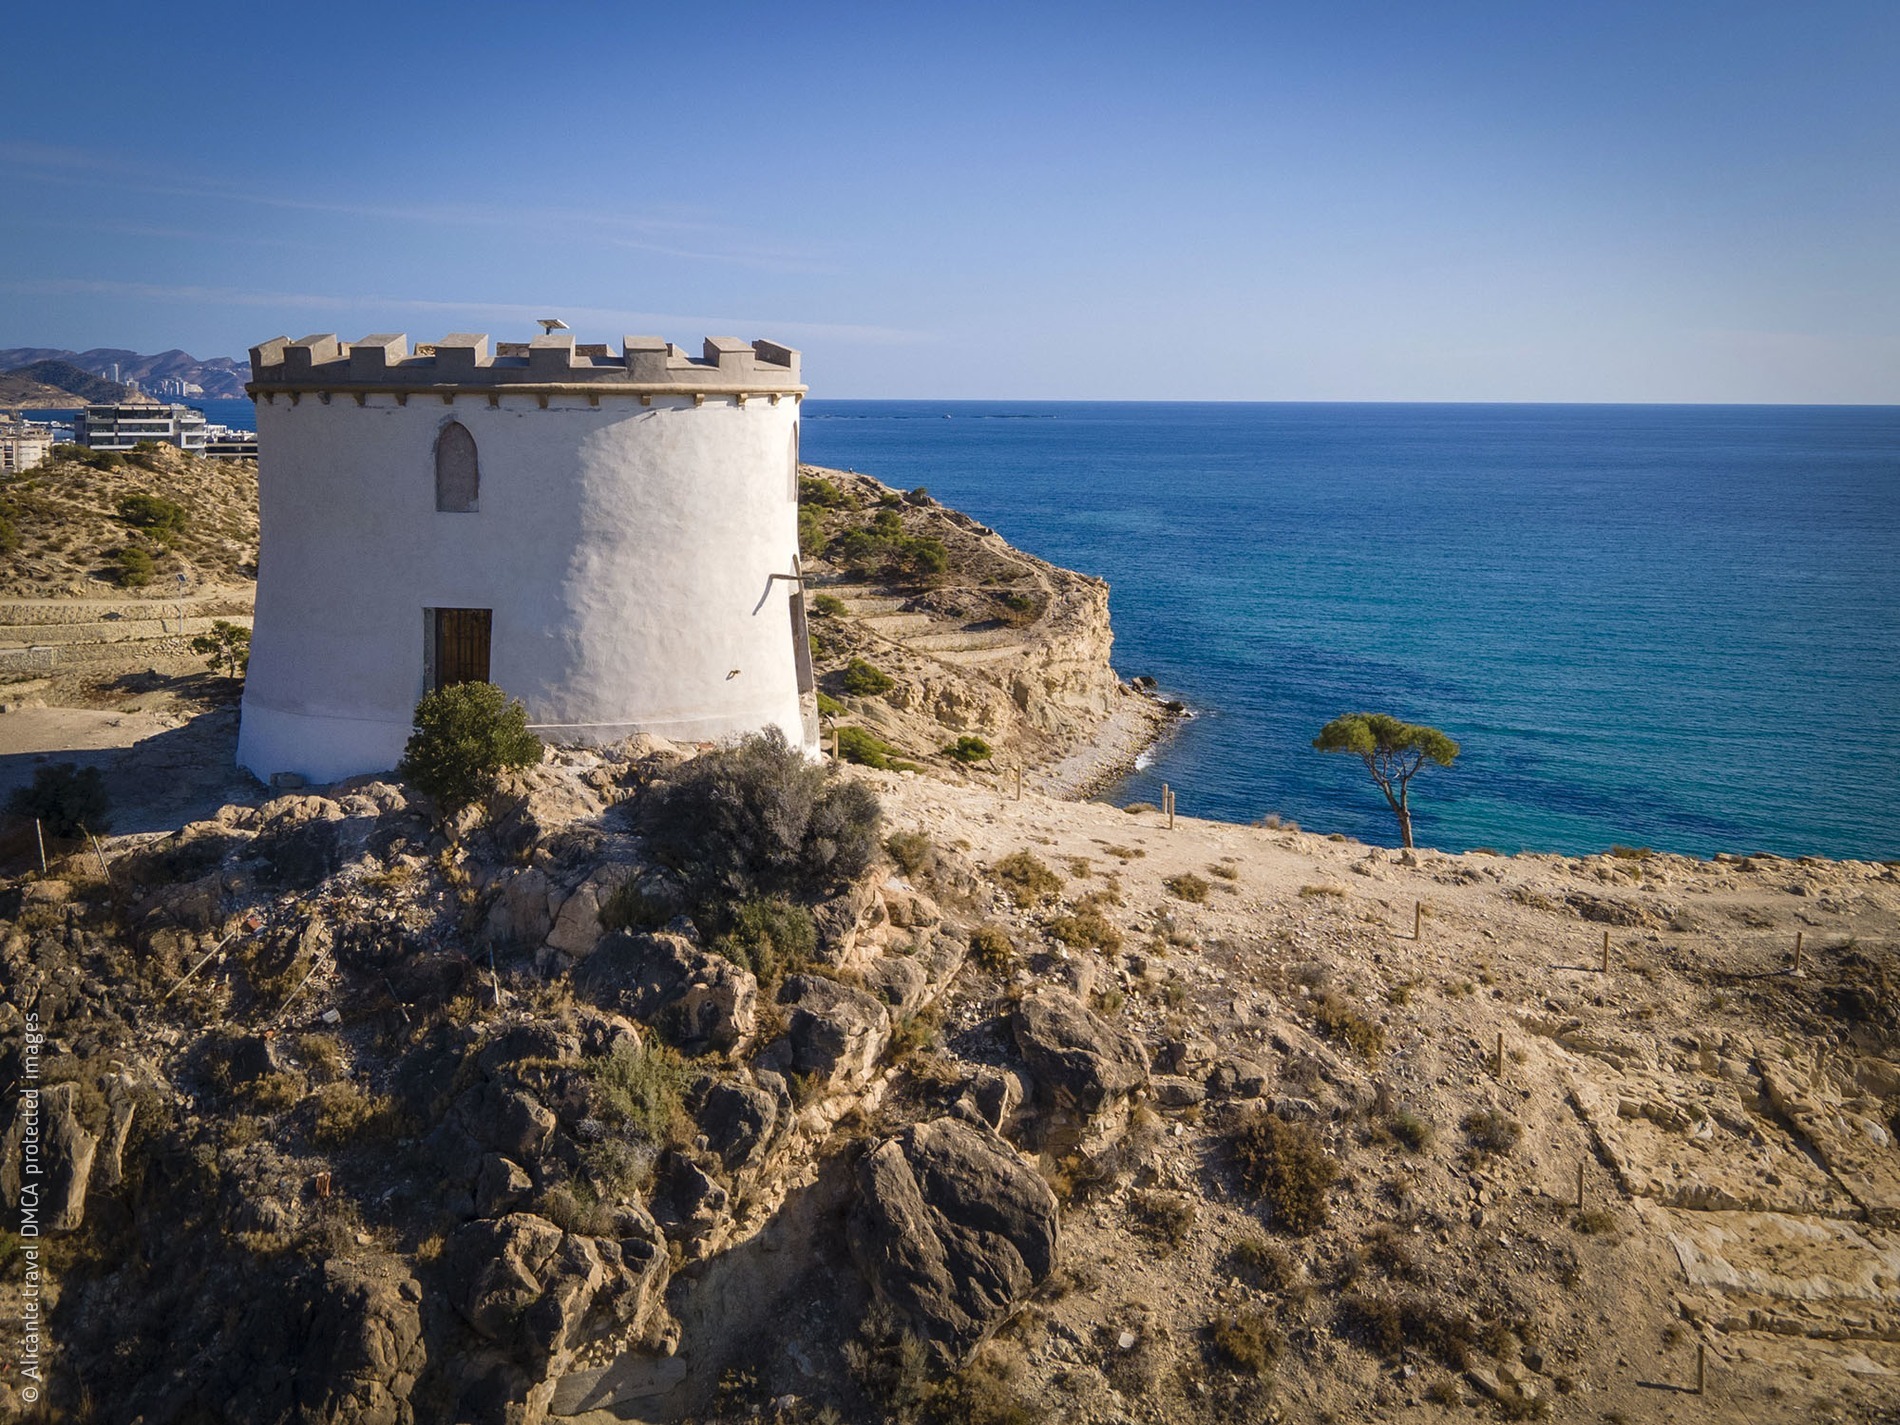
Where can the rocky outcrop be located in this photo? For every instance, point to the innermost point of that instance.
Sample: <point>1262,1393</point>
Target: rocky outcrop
<point>700,1001</point>
<point>1079,1061</point>
<point>952,1229</point>
<point>835,1031</point>
<point>65,1159</point>
<point>365,1348</point>
<point>535,1294</point>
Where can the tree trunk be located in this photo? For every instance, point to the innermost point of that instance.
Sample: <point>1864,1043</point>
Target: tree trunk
<point>1405,826</point>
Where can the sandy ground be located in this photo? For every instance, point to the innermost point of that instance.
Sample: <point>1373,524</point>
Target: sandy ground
<point>1733,1120</point>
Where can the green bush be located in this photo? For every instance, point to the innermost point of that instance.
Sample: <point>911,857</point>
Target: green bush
<point>968,749</point>
<point>828,606</point>
<point>867,749</point>
<point>811,533</point>
<point>829,706</point>
<point>1285,1165</point>
<point>157,516</point>
<point>757,820</point>
<point>135,567</point>
<point>824,494</point>
<point>861,680</point>
<point>771,938</point>
<point>466,735</point>
<point>9,536</point>
<point>66,799</point>
<point>637,1088</point>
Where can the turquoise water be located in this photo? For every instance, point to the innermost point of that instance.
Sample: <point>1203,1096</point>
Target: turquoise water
<point>1670,626</point>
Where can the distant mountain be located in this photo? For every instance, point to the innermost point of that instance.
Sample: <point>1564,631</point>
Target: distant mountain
<point>220,376</point>
<point>64,376</point>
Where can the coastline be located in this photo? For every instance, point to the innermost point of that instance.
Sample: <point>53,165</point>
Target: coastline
<point>1143,723</point>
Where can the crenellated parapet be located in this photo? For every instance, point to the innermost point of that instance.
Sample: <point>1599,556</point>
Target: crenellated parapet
<point>384,363</point>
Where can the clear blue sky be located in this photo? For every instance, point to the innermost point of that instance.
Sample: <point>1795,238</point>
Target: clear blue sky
<point>1399,201</point>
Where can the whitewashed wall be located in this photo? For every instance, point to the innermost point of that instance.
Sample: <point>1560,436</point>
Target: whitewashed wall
<point>625,550</point>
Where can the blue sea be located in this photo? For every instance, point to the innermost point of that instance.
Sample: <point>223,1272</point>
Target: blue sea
<point>1667,626</point>
<point>1673,626</point>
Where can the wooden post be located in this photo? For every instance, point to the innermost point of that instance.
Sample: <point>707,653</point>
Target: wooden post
<point>1580,1187</point>
<point>1701,1367</point>
<point>1019,781</point>
<point>40,837</point>
<point>1604,968</point>
<point>1797,950</point>
<point>104,869</point>
<point>1418,920</point>
<point>1498,1070</point>
<point>1167,803</point>
<point>323,1184</point>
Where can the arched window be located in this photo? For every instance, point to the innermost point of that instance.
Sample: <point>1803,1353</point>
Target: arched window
<point>458,479</point>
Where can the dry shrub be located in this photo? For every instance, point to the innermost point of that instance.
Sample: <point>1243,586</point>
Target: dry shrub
<point>1188,887</point>
<point>1224,871</point>
<point>757,820</point>
<point>1489,1132</point>
<point>993,948</point>
<point>1025,878</point>
<point>1165,1218</point>
<point>1285,1165</point>
<point>343,1114</point>
<point>1339,1019</point>
<point>1390,1325</point>
<point>1320,892</point>
<point>1247,1340</point>
<point>913,852</point>
<point>1083,927</point>
<point>1271,1266</point>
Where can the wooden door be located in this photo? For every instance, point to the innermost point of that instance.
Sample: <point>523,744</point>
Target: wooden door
<point>461,646</point>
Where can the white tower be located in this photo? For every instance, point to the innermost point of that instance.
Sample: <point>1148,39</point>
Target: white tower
<point>611,538</point>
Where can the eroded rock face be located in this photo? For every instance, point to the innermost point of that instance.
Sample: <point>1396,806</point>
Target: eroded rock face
<point>837,1031</point>
<point>1078,1059</point>
<point>365,1347</point>
<point>700,1001</point>
<point>66,1154</point>
<point>952,1229</point>
<point>535,1294</point>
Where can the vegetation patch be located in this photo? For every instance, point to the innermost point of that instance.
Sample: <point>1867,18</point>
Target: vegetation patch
<point>758,820</point>
<point>66,799</point>
<point>1286,1166</point>
<point>1392,1325</point>
<point>968,750</point>
<point>1025,878</point>
<point>1165,1218</point>
<point>466,735</point>
<point>1246,1340</point>
<point>1339,1019</point>
<point>867,749</point>
<point>1188,887</point>
<point>993,949</point>
<point>1489,1132</point>
<point>771,938</point>
<point>862,680</point>
<point>637,1087</point>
